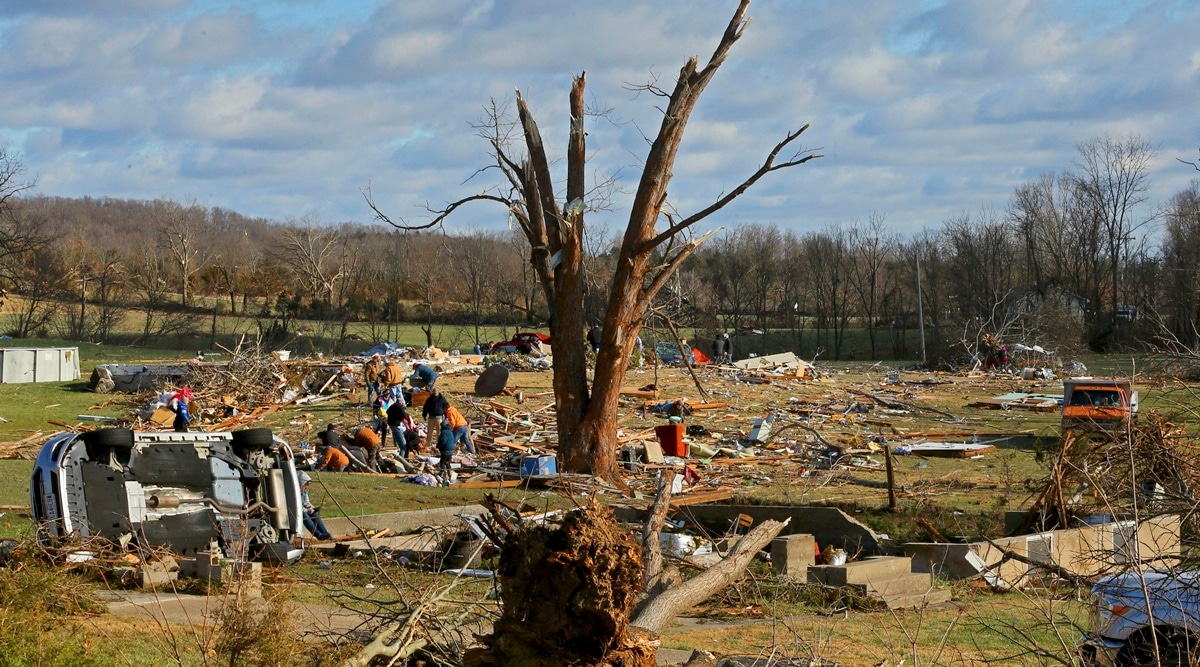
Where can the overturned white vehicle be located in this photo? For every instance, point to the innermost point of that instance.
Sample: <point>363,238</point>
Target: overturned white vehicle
<point>232,492</point>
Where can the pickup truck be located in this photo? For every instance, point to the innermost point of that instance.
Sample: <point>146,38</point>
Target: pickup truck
<point>1098,404</point>
<point>1125,630</point>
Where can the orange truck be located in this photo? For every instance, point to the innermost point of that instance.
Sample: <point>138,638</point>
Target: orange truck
<point>1102,404</point>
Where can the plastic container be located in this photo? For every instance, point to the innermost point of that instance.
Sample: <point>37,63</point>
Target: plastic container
<point>670,438</point>
<point>539,465</point>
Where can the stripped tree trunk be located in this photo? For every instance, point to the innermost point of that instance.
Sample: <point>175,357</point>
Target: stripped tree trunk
<point>648,256</point>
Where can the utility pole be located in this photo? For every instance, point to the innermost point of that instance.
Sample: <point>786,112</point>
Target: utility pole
<point>921,311</point>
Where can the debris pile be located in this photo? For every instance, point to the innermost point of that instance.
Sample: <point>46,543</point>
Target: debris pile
<point>1151,469</point>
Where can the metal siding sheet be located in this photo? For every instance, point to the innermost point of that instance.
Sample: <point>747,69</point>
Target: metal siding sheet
<point>45,365</point>
<point>18,365</point>
<point>71,364</point>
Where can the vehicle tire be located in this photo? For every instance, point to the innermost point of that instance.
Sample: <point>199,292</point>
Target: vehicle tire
<point>1175,649</point>
<point>109,437</point>
<point>524,348</point>
<point>253,438</point>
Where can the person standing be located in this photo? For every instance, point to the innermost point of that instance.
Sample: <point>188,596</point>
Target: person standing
<point>460,427</point>
<point>639,351</point>
<point>446,444</point>
<point>434,412</point>
<point>371,372</point>
<point>718,349</point>
<point>404,433</point>
<point>392,375</point>
<point>727,349</point>
<point>593,338</point>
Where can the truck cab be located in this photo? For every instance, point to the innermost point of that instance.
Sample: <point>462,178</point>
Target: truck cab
<point>1098,404</point>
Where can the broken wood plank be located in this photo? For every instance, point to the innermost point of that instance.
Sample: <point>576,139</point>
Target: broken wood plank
<point>489,484</point>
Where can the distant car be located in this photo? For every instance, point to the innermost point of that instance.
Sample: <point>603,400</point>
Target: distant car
<point>522,343</point>
<point>189,492</point>
<point>1123,628</point>
<point>668,354</point>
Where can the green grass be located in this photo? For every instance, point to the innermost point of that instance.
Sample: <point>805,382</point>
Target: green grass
<point>370,494</point>
<point>977,629</point>
<point>28,408</point>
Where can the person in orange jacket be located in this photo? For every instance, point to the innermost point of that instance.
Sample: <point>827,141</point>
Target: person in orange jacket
<point>332,459</point>
<point>369,441</point>
<point>460,427</point>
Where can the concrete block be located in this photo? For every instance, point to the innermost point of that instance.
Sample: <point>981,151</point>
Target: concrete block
<point>792,555</point>
<point>867,570</point>
<point>233,573</point>
<point>906,584</point>
<point>151,579</point>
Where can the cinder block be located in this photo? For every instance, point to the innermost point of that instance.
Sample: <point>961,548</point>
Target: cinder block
<point>154,578</point>
<point>233,573</point>
<point>792,555</point>
<point>868,570</point>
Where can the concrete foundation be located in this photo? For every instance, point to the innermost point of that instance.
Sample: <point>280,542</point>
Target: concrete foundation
<point>827,525</point>
<point>402,522</point>
<point>1088,551</point>
<point>887,578</point>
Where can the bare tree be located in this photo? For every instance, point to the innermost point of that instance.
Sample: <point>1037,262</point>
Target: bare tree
<point>20,232</point>
<point>316,254</point>
<point>181,232</point>
<point>868,245</point>
<point>149,275</point>
<point>655,243</point>
<point>1180,302</point>
<point>1113,179</point>
<point>474,260</point>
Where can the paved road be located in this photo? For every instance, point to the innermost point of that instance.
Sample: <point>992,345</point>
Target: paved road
<point>180,608</point>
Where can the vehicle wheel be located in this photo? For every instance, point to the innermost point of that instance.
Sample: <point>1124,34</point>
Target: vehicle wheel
<point>1175,649</point>
<point>253,438</point>
<point>109,437</point>
<point>524,348</point>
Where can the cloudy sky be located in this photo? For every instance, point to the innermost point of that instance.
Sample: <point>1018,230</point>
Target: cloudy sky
<point>290,108</point>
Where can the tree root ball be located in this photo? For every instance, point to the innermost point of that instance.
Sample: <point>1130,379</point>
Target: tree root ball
<point>568,593</point>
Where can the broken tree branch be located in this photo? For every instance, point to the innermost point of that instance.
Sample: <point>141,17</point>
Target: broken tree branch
<point>662,609</point>
<point>651,543</point>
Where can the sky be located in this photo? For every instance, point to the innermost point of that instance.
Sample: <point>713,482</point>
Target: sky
<point>292,109</point>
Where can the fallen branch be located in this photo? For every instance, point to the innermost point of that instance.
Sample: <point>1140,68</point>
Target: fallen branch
<point>1054,568</point>
<point>651,542</point>
<point>660,610</point>
<point>901,405</point>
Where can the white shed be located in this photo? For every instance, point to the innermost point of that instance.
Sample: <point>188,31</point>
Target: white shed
<point>39,364</point>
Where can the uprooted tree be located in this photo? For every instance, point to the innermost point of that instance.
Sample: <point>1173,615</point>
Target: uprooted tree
<point>655,243</point>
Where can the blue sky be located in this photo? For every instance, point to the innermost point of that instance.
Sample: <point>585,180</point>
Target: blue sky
<point>291,108</point>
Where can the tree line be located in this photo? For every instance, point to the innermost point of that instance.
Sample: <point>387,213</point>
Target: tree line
<point>1075,259</point>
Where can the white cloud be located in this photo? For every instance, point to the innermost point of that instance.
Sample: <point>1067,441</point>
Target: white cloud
<point>277,107</point>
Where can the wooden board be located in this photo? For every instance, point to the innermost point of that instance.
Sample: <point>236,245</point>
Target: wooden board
<point>489,484</point>
<point>953,450</point>
<point>701,497</point>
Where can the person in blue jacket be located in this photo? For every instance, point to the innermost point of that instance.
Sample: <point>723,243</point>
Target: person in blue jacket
<point>423,376</point>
